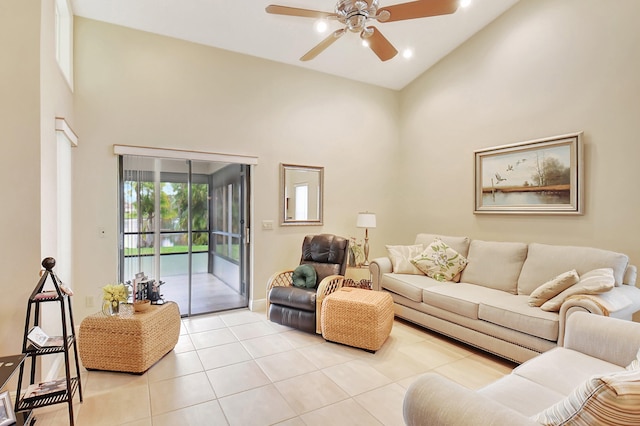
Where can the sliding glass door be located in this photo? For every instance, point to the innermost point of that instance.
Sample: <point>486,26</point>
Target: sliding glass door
<point>183,228</point>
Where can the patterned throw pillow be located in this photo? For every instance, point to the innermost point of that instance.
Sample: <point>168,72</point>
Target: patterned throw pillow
<point>439,261</point>
<point>553,287</point>
<point>602,400</point>
<point>401,256</point>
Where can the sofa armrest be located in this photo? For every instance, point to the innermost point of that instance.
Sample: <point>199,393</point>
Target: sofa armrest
<point>436,401</point>
<point>610,339</point>
<point>377,267</point>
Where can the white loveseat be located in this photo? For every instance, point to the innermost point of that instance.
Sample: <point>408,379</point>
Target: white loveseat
<point>488,307</point>
<point>578,383</point>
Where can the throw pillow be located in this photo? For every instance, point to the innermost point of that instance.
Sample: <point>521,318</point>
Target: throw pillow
<point>439,261</point>
<point>593,282</point>
<point>602,400</point>
<point>553,287</point>
<point>304,276</point>
<point>401,256</point>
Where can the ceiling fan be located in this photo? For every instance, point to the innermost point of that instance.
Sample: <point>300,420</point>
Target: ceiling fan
<point>355,14</point>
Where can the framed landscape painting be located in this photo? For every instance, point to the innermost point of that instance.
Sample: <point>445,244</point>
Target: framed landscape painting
<point>543,176</point>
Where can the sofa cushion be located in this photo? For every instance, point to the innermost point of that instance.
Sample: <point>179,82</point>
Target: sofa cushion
<point>563,369</point>
<point>593,282</point>
<point>407,285</point>
<point>495,264</point>
<point>514,312</point>
<point>401,256</point>
<point>546,261</point>
<point>459,298</point>
<point>613,399</point>
<point>521,394</point>
<point>439,261</point>
<point>459,244</point>
<point>553,287</point>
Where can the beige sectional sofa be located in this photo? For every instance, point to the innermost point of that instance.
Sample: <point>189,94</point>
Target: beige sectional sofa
<point>594,378</point>
<point>488,307</point>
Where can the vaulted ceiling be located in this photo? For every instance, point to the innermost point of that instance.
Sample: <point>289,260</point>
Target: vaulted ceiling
<point>243,26</point>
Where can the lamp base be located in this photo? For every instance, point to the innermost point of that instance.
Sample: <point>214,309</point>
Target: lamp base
<point>366,250</point>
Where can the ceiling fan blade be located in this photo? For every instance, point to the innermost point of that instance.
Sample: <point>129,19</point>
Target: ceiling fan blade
<point>295,11</point>
<point>380,45</point>
<point>419,9</point>
<point>320,47</point>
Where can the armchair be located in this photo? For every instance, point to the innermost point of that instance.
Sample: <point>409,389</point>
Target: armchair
<point>300,307</point>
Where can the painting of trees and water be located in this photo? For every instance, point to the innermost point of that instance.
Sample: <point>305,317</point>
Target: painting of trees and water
<point>532,176</point>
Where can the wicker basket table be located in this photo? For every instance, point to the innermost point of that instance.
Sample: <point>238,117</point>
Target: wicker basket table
<point>357,317</point>
<point>129,342</point>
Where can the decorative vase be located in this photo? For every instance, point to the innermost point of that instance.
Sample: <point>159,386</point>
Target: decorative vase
<point>352,258</point>
<point>111,308</point>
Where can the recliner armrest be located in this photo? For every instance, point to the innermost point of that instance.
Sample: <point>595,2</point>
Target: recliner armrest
<point>279,279</point>
<point>325,288</point>
<point>436,401</point>
<point>377,267</point>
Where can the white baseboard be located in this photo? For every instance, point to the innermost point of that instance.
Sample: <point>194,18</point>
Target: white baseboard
<point>259,305</point>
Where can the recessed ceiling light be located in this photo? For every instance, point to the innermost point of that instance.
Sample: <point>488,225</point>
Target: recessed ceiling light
<point>407,53</point>
<point>321,25</point>
<point>365,42</point>
<point>465,3</point>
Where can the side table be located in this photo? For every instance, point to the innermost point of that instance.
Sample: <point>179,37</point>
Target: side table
<point>357,276</point>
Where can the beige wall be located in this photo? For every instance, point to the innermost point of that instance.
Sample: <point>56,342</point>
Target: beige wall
<point>544,68</point>
<point>33,94</point>
<point>137,88</point>
<point>19,164</point>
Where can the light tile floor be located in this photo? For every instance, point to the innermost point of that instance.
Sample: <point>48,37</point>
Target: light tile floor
<point>238,368</point>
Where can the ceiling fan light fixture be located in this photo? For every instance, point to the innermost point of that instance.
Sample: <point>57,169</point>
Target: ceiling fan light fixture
<point>354,15</point>
<point>321,26</point>
<point>383,16</point>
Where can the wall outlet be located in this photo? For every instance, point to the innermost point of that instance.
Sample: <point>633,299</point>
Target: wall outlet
<point>267,224</point>
<point>90,302</point>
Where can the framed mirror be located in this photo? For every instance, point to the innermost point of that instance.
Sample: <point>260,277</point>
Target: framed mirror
<point>301,194</point>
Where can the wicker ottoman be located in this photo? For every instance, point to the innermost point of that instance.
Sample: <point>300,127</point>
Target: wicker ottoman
<point>357,317</point>
<point>129,342</point>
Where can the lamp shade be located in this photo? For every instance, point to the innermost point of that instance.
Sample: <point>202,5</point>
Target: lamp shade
<point>366,220</point>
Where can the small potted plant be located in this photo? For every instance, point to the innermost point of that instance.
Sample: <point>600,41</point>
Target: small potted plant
<point>113,295</point>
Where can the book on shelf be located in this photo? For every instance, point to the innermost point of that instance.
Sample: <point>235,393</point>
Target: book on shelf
<point>44,295</point>
<point>40,339</point>
<point>42,389</point>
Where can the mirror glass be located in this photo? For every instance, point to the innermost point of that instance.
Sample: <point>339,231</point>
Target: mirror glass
<point>301,189</point>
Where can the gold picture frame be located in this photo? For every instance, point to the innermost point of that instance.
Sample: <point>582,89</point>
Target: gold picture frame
<point>543,176</point>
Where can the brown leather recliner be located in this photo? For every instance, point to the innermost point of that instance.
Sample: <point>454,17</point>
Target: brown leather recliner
<point>300,307</point>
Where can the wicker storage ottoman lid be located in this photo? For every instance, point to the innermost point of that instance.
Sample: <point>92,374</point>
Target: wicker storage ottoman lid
<point>129,342</point>
<point>357,317</point>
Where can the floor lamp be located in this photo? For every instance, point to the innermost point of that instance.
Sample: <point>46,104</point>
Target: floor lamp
<point>366,220</point>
